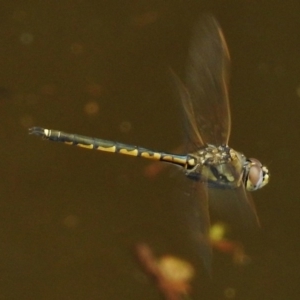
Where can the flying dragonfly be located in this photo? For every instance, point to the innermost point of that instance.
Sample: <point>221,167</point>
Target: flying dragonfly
<point>211,169</point>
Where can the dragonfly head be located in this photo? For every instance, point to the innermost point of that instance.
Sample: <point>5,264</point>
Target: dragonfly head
<point>256,175</point>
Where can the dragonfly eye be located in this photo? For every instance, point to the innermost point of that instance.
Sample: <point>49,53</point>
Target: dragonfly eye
<point>257,175</point>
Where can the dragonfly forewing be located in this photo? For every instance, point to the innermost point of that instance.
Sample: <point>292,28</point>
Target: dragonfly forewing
<point>207,75</point>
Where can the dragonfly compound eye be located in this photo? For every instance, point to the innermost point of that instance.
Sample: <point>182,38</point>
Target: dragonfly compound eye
<point>258,175</point>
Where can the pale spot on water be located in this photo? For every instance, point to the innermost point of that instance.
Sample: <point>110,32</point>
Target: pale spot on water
<point>71,221</point>
<point>125,126</point>
<point>298,91</point>
<point>229,293</point>
<point>217,232</point>
<point>77,48</point>
<point>26,38</point>
<point>175,269</point>
<point>91,108</point>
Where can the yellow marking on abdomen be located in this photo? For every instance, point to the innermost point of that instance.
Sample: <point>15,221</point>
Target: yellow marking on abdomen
<point>179,160</point>
<point>107,149</point>
<point>90,146</point>
<point>168,158</point>
<point>172,159</point>
<point>192,162</point>
<point>133,152</point>
<point>69,143</point>
<point>155,155</point>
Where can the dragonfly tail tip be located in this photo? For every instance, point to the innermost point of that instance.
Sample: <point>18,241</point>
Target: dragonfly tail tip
<point>37,131</point>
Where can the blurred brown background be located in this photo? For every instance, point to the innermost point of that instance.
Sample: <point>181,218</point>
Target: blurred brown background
<point>69,217</point>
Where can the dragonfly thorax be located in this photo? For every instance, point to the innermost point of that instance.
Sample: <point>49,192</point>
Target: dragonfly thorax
<point>219,167</point>
<point>223,167</point>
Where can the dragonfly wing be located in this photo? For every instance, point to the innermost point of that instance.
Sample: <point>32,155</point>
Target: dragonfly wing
<point>193,215</point>
<point>234,206</point>
<point>205,94</point>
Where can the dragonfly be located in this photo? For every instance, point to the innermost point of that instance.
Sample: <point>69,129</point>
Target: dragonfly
<point>216,174</point>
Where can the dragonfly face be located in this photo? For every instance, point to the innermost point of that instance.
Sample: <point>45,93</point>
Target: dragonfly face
<point>255,175</point>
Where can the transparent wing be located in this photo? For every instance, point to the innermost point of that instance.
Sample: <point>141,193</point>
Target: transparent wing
<point>206,105</point>
<point>205,96</point>
<point>193,216</point>
<point>233,206</point>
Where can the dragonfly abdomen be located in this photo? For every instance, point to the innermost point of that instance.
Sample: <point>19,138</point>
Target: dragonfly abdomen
<point>110,146</point>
